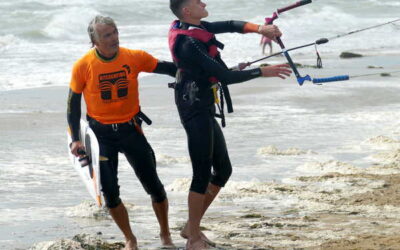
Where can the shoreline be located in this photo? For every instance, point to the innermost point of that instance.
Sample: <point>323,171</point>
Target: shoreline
<point>382,55</point>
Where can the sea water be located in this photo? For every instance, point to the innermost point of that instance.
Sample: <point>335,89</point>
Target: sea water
<point>277,131</point>
<point>39,40</point>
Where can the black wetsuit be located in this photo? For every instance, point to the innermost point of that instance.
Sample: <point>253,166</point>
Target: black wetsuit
<point>195,100</point>
<point>126,138</point>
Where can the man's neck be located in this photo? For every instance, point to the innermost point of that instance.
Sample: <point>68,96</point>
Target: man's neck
<point>105,57</point>
<point>192,21</point>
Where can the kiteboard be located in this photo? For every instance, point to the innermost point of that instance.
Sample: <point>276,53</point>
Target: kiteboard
<point>88,165</point>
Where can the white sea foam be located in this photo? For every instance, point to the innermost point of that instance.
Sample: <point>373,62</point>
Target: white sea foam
<point>386,169</point>
<point>179,185</point>
<point>167,160</point>
<point>8,40</point>
<point>88,209</point>
<point>78,242</point>
<point>389,157</point>
<point>46,245</point>
<point>381,139</point>
<point>272,150</point>
<point>382,142</point>
<point>328,167</point>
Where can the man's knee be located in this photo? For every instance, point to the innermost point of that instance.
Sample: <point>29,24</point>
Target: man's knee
<point>109,182</point>
<point>159,196</point>
<point>221,177</point>
<point>110,191</point>
<point>200,183</point>
<point>155,189</point>
<point>112,202</point>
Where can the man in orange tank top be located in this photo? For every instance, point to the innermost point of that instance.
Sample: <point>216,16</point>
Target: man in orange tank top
<point>107,78</point>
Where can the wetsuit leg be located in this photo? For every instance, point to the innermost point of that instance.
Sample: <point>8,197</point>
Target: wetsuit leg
<point>199,130</point>
<point>222,168</point>
<point>109,173</point>
<point>142,159</point>
<point>108,146</point>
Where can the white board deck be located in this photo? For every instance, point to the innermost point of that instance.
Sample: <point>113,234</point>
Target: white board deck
<point>89,174</point>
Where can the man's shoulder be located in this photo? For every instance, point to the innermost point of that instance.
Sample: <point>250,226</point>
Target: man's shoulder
<point>132,52</point>
<point>86,59</point>
<point>136,55</point>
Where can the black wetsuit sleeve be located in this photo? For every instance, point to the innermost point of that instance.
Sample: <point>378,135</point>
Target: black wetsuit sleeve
<point>166,68</point>
<point>195,52</point>
<point>74,114</point>
<point>224,26</point>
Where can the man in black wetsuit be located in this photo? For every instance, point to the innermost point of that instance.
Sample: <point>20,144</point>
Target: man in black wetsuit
<point>107,77</point>
<point>201,72</point>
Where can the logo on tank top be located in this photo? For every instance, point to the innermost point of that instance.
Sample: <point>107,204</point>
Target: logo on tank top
<point>113,86</point>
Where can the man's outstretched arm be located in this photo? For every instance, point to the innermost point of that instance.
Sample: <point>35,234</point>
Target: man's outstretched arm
<point>270,31</point>
<point>194,51</point>
<point>165,68</point>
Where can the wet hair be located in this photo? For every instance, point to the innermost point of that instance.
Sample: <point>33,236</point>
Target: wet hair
<point>92,26</point>
<point>176,7</point>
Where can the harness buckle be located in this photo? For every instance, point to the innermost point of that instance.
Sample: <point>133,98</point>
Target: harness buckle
<point>172,85</point>
<point>114,127</point>
<point>215,88</point>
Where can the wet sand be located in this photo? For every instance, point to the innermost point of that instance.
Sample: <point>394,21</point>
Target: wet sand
<point>364,216</point>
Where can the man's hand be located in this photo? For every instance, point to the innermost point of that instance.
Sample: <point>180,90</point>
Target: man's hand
<point>270,31</point>
<point>280,70</point>
<point>75,146</point>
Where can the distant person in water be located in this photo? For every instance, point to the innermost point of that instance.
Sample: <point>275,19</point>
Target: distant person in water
<point>107,76</point>
<point>264,42</point>
<point>201,75</point>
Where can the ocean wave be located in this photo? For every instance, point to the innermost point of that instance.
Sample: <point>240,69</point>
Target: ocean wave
<point>95,2</point>
<point>69,23</point>
<point>8,40</point>
<point>63,3</point>
<point>386,3</point>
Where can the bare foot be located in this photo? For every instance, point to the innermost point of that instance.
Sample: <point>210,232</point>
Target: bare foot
<point>185,235</point>
<point>199,244</point>
<point>166,242</point>
<point>131,245</point>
